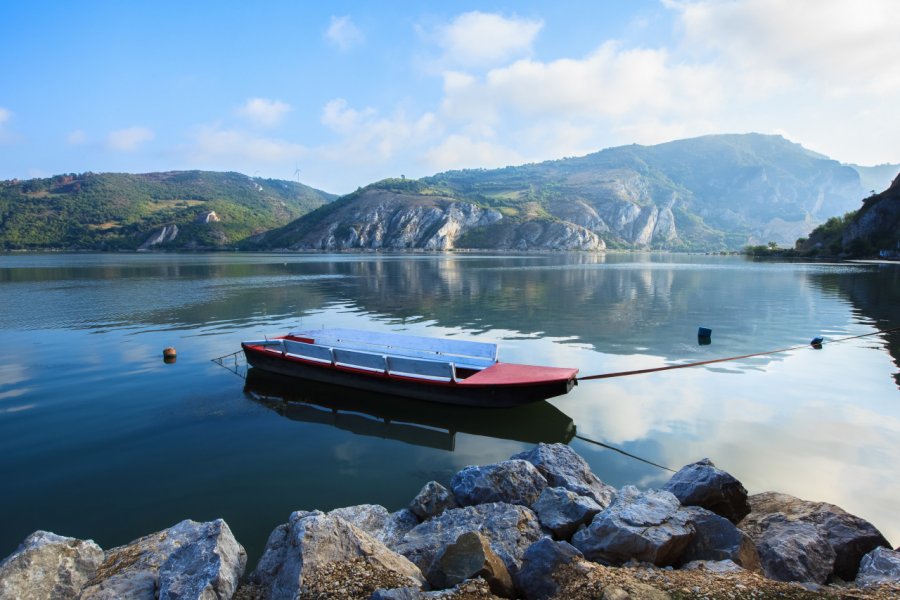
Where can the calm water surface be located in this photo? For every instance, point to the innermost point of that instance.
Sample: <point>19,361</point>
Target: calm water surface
<point>100,439</point>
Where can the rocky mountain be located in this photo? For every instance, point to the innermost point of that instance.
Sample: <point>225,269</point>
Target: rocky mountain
<point>872,230</point>
<point>404,214</point>
<point>173,210</point>
<point>717,192</point>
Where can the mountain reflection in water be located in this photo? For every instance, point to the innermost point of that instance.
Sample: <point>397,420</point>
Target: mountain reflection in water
<point>426,424</point>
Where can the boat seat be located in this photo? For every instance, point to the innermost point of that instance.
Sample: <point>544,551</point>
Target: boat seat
<point>308,351</point>
<point>360,360</point>
<point>421,368</point>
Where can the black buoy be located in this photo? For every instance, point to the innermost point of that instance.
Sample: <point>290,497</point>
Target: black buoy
<point>704,336</point>
<point>816,342</point>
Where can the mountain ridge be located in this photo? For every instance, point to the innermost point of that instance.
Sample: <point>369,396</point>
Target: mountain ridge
<point>712,193</point>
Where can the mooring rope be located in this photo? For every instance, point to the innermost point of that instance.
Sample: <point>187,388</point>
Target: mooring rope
<point>729,358</point>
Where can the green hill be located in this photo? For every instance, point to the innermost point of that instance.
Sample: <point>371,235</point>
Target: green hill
<point>117,211</point>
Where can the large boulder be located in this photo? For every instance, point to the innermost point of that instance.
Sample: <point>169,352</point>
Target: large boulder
<point>509,528</point>
<point>312,542</point>
<point>702,484</point>
<point>563,511</point>
<point>563,467</point>
<point>717,539</point>
<point>541,562</point>
<point>432,500</point>
<point>387,528</point>
<point>648,526</point>
<point>510,481</point>
<point>849,536</point>
<point>793,550</point>
<point>470,556</point>
<point>47,565</point>
<point>878,567</point>
<point>189,560</point>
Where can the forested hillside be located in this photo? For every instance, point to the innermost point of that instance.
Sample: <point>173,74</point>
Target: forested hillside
<point>177,210</point>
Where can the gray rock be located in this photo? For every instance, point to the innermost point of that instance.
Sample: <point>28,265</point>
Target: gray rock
<point>717,539</point>
<point>312,540</point>
<point>404,593</point>
<point>510,481</point>
<point>187,560</point>
<point>470,557</point>
<point>563,511</point>
<point>702,484</point>
<point>542,559</point>
<point>387,528</point>
<point>509,528</point>
<point>880,566</point>
<point>646,526</point>
<point>793,550</point>
<point>432,500</point>
<point>47,565</point>
<point>713,566</point>
<point>563,467</point>
<point>849,536</point>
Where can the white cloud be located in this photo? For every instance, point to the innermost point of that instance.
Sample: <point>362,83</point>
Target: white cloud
<point>843,45</point>
<point>477,39</point>
<point>129,139</point>
<point>262,111</point>
<point>77,137</point>
<point>212,144</point>
<point>343,33</point>
<point>367,136</point>
<point>458,151</point>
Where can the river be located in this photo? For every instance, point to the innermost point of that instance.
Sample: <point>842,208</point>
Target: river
<point>100,438</point>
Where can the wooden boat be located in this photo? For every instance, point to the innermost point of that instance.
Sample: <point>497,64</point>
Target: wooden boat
<point>435,369</point>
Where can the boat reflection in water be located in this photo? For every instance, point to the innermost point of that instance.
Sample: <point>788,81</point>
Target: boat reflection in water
<point>414,422</point>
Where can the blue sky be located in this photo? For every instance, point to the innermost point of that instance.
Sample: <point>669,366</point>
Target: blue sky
<point>352,92</point>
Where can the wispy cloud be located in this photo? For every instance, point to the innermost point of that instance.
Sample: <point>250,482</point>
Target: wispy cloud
<point>477,39</point>
<point>343,33</point>
<point>366,135</point>
<point>5,115</point>
<point>77,137</point>
<point>129,139</point>
<point>212,143</point>
<point>264,112</point>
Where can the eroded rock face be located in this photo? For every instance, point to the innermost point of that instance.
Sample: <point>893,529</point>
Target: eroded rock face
<point>47,565</point>
<point>540,562</point>
<point>510,529</point>
<point>881,565</point>
<point>793,550</point>
<point>849,536</point>
<point>187,560</point>
<point>470,556</point>
<point>648,526</point>
<point>310,542</point>
<point>563,511</point>
<point>562,467</point>
<point>387,528</point>
<point>432,500</point>
<point>702,484</point>
<point>510,481</point>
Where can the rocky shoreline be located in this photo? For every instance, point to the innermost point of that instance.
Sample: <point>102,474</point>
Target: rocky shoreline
<point>538,526</point>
